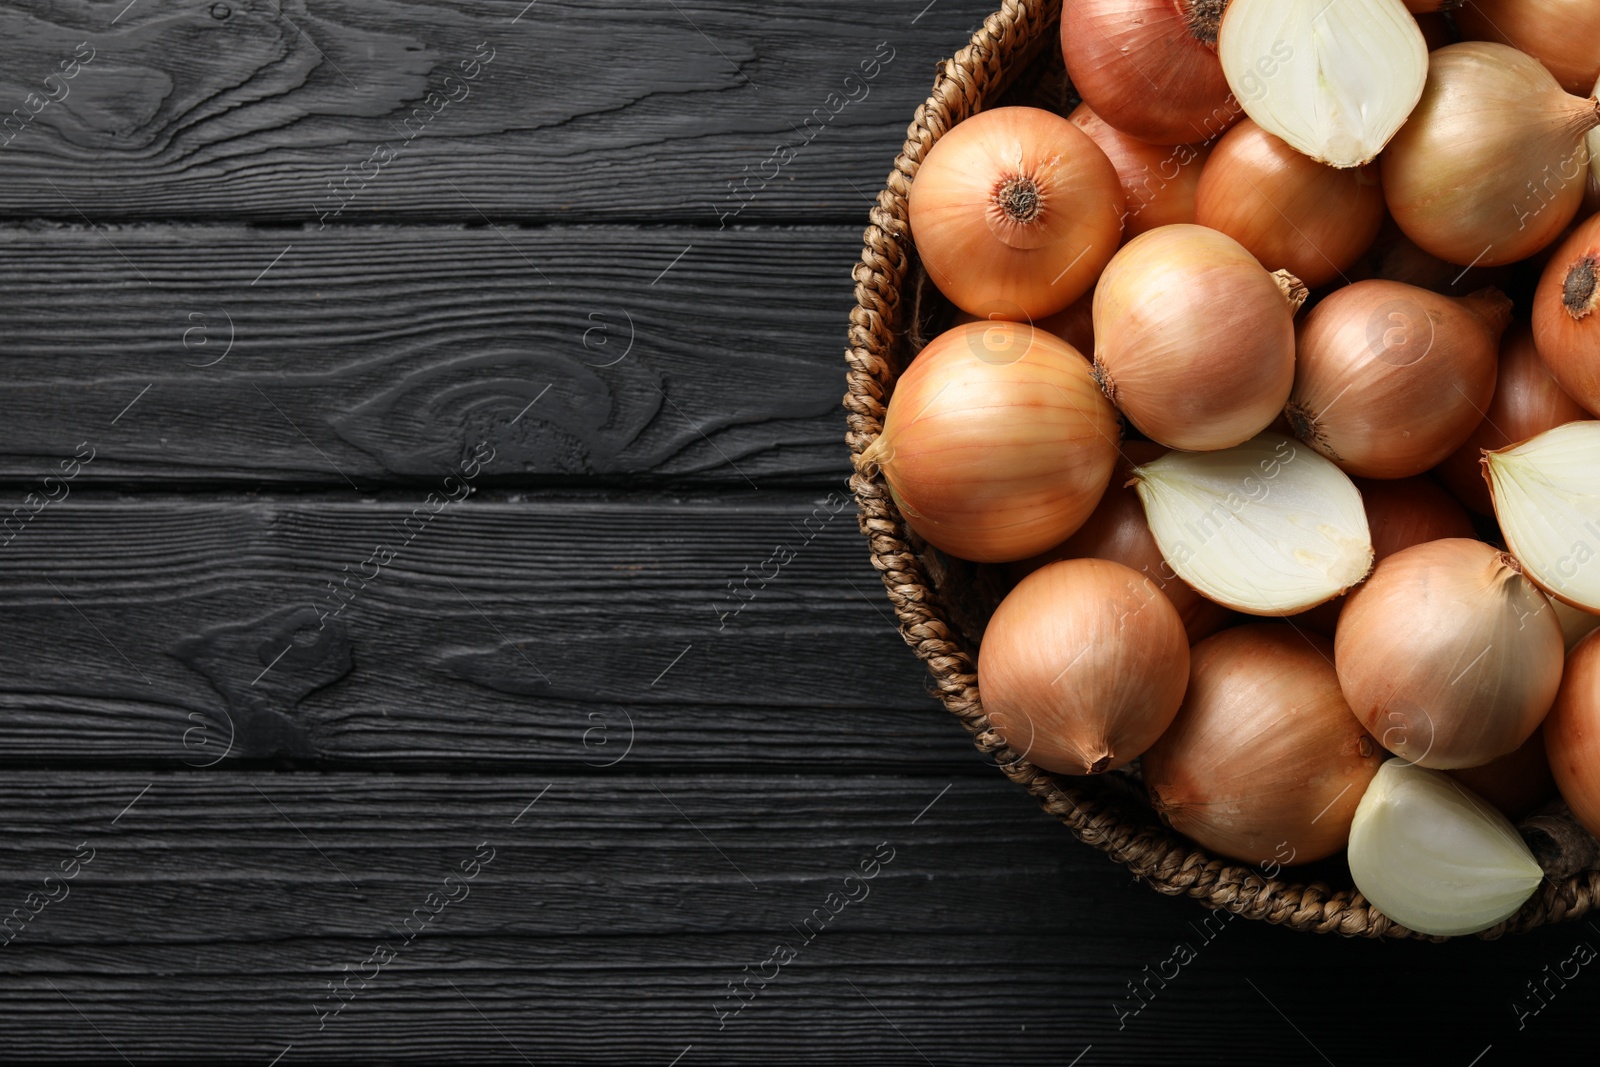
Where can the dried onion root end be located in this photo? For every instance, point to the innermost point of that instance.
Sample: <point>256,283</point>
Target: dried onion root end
<point>1548,506</point>
<point>1579,293</point>
<point>1267,527</point>
<point>1435,857</point>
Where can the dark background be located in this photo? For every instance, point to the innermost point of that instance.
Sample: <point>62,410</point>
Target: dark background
<point>271,384</point>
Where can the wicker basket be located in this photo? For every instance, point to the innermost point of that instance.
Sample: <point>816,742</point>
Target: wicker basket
<point>942,603</point>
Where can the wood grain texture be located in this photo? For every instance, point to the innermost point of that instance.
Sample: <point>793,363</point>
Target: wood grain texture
<point>373,355</point>
<point>729,628</point>
<point>607,919</point>
<point>453,111</point>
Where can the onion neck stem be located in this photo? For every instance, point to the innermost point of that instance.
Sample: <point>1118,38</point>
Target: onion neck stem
<point>1293,289</point>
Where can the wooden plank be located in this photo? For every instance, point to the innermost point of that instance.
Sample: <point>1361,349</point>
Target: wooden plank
<point>606,924</point>
<point>228,354</point>
<point>527,630</point>
<point>454,110</point>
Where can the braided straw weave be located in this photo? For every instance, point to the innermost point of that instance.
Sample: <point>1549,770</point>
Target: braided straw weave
<point>1014,53</point>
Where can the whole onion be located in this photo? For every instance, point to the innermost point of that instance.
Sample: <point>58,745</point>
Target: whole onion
<point>997,443</point>
<point>1448,655</point>
<point>1149,67</point>
<point>1489,167</point>
<point>1285,208</point>
<point>1082,666</point>
<point>1194,339</point>
<point>1016,211</point>
<point>1264,762</point>
<point>1391,379</point>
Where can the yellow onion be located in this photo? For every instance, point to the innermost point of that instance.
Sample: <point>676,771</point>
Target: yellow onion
<point>1566,315</point>
<point>1015,206</point>
<point>1572,734</point>
<point>1561,34</point>
<point>1149,67</point>
<point>1158,181</point>
<point>1333,79</point>
<point>1435,857</point>
<point>1117,531</point>
<point>1489,168</point>
<point>1391,379</point>
<point>1194,339</point>
<point>1517,783</point>
<point>1082,666</point>
<point>996,444</point>
<point>1287,209</point>
<point>1264,762</point>
<point>1527,402</point>
<point>1448,655</point>
<point>1547,501</point>
<point>1400,513</point>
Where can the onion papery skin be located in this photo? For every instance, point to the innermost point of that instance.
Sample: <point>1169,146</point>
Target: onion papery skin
<point>1391,378</point>
<point>1158,181</point>
<point>1517,783</point>
<point>1194,340</point>
<point>1448,655</point>
<point>1572,734</point>
<point>1117,531</point>
<point>1566,315</point>
<point>1489,168</point>
<point>1149,67</point>
<point>1264,762</point>
<point>1083,666</point>
<point>1285,208</point>
<point>1015,211</point>
<point>997,443</point>
<point>1527,402</point>
<point>1400,513</point>
<point>1561,34</point>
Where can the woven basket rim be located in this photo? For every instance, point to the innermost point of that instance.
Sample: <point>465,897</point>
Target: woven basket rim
<point>1115,821</point>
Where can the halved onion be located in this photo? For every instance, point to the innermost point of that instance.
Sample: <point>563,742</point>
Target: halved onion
<point>1432,856</point>
<point>1267,528</point>
<point>1335,80</point>
<point>1547,500</point>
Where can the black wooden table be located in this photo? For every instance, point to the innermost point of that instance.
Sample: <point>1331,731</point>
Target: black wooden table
<point>434,626</point>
